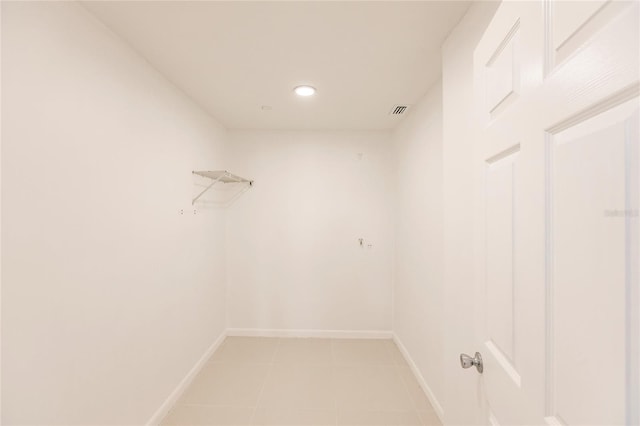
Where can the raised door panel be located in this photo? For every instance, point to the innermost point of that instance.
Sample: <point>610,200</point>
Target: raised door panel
<point>503,73</point>
<point>593,184</point>
<point>499,255</point>
<point>572,23</point>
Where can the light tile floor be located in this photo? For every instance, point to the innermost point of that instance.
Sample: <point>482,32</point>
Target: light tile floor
<point>271,381</point>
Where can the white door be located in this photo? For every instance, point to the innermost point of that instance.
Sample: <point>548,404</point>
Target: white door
<point>557,87</point>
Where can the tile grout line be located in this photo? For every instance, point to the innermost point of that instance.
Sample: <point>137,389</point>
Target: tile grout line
<point>335,382</point>
<point>406,385</point>
<point>218,405</point>
<point>266,380</point>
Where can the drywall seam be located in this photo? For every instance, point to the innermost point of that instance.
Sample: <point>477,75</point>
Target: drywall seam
<point>170,402</point>
<point>335,334</point>
<point>423,384</point>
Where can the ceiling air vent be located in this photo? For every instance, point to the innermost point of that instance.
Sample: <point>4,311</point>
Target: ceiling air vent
<point>399,109</point>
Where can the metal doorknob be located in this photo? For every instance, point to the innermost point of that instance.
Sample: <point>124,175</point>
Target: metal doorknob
<point>467,362</point>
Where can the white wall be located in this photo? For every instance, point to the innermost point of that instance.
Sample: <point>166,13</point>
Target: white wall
<point>109,295</point>
<point>294,260</point>
<point>434,261</point>
<point>458,132</point>
<point>418,285</point>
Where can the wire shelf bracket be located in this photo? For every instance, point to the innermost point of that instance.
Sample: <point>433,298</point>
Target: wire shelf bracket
<point>221,176</point>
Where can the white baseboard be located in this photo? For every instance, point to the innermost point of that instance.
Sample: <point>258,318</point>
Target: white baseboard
<point>423,384</point>
<point>184,383</point>
<point>332,334</point>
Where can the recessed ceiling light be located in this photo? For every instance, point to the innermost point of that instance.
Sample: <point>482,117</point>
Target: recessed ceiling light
<point>305,90</point>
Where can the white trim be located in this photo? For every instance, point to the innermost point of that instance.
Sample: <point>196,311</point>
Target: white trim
<point>333,334</point>
<point>423,384</point>
<point>164,409</point>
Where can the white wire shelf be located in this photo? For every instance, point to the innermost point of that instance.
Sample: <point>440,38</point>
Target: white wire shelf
<point>221,176</point>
